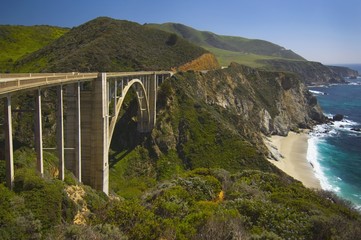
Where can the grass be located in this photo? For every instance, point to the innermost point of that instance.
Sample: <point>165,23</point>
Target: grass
<point>106,44</point>
<point>19,41</point>
<point>230,48</point>
<point>225,57</point>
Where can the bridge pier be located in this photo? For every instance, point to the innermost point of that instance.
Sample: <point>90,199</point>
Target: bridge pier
<point>60,131</point>
<point>73,130</point>
<point>38,134</point>
<point>95,122</point>
<point>152,93</point>
<point>9,156</point>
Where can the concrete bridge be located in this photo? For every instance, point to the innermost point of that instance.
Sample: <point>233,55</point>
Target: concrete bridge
<point>84,128</point>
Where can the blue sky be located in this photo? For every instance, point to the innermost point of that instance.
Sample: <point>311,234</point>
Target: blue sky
<point>328,31</point>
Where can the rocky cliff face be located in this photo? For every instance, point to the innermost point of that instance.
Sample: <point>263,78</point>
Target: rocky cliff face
<point>310,72</point>
<point>205,62</point>
<point>344,71</point>
<point>272,102</point>
<point>235,103</point>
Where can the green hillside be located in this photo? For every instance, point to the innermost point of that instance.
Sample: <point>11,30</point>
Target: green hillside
<point>18,41</point>
<point>228,48</point>
<point>106,44</point>
<point>200,174</point>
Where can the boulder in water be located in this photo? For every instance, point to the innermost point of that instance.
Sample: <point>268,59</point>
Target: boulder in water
<point>337,117</point>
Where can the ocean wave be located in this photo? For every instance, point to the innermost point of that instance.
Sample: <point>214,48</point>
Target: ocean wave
<point>354,83</point>
<point>335,127</point>
<point>317,92</point>
<point>316,142</point>
<point>312,158</point>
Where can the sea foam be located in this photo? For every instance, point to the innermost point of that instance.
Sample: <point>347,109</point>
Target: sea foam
<point>317,92</point>
<point>313,158</point>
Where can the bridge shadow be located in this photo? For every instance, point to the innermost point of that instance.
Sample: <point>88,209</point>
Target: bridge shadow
<point>115,158</point>
<point>125,137</point>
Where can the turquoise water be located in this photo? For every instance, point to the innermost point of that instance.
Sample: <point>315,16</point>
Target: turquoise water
<point>335,150</point>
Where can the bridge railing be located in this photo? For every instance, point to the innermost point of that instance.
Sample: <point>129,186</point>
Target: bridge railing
<point>13,84</point>
<point>29,75</point>
<point>19,82</point>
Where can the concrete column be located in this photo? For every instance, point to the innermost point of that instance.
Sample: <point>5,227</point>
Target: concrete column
<point>73,130</point>
<point>141,120</point>
<point>39,134</point>
<point>115,98</point>
<point>60,131</point>
<point>86,133</point>
<point>95,124</point>
<point>9,157</point>
<point>78,142</point>
<point>152,101</point>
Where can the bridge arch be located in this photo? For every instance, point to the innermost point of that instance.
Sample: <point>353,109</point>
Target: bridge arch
<point>143,107</point>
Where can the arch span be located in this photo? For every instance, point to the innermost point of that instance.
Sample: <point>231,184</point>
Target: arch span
<point>143,107</point>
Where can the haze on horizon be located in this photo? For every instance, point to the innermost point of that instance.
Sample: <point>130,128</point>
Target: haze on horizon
<point>326,31</point>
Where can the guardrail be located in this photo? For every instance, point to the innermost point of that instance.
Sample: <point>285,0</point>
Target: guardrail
<point>10,83</point>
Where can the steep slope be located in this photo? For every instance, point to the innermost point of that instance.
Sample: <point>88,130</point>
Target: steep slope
<point>259,54</point>
<point>105,44</point>
<point>311,72</point>
<point>344,71</point>
<point>203,169</point>
<point>229,48</point>
<point>18,41</point>
<point>214,120</point>
<point>200,174</point>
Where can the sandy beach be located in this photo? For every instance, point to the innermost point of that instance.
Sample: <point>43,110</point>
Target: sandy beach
<point>291,152</point>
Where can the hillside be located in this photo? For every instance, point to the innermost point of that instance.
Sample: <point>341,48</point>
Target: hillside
<point>18,41</point>
<point>201,173</point>
<point>229,48</point>
<point>106,44</point>
<point>311,72</point>
<point>344,71</point>
<point>259,54</point>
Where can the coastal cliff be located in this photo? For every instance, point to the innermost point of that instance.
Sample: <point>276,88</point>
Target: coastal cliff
<point>310,72</point>
<point>344,71</point>
<point>240,103</point>
<point>201,173</point>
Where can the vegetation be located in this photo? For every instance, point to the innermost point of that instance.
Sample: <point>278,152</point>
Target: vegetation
<point>105,44</point>
<point>19,41</point>
<point>257,54</point>
<point>230,49</point>
<point>201,173</point>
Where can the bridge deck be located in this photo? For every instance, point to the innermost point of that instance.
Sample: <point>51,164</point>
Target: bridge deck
<point>10,83</point>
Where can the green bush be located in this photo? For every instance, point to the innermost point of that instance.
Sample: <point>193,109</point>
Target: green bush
<point>43,198</point>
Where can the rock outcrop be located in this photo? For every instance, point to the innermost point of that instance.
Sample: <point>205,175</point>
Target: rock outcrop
<point>204,116</point>
<point>272,102</point>
<point>205,62</point>
<point>244,100</point>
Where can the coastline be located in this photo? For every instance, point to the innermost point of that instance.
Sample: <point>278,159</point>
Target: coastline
<point>290,155</point>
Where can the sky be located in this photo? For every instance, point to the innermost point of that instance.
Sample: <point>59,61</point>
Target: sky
<point>327,31</point>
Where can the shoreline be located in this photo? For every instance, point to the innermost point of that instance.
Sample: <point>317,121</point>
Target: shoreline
<point>290,155</point>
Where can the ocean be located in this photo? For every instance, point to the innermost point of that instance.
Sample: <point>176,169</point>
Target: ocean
<point>335,149</point>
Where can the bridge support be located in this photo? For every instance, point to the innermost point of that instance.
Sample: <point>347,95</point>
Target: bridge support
<point>94,121</point>
<point>9,157</point>
<point>152,93</point>
<point>73,130</point>
<point>38,134</point>
<point>60,131</point>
